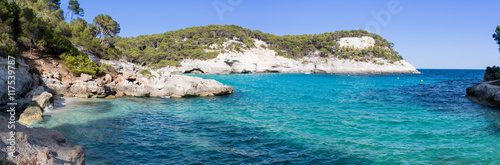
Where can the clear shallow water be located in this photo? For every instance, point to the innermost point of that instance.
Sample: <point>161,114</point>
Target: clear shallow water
<point>294,118</point>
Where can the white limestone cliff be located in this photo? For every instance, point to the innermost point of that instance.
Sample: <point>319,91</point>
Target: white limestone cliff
<point>357,42</point>
<point>264,60</point>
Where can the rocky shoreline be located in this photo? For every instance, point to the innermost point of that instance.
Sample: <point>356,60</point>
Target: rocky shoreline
<point>41,80</point>
<point>261,59</point>
<point>485,93</point>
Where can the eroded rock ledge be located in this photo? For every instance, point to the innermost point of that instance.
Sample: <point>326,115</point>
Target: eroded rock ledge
<point>131,83</point>
<point>485,93</point>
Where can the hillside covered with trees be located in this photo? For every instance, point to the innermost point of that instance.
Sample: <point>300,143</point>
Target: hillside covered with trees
<point>205,42</point>
<point>42,25</point>
<point>27,25</point>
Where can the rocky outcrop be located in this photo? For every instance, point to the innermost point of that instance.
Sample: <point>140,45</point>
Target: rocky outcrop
<point>130,82</point>
<point>171,85</point>
<point>485,93</point>
<point>263,60</point>
<point>38,146</point>
<point>158,83</point>
<point>490,73</point>
<point>31,114</point>
<point>24,81</point>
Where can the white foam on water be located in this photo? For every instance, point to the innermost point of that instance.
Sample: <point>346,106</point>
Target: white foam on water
<point>58,103</point>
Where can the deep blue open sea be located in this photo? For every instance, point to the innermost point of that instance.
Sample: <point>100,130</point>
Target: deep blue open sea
<point>293,119</point>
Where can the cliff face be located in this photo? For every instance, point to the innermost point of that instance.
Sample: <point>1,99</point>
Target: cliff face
<point>357,42</point>
<point>263,60</point>
<point>24,81</point>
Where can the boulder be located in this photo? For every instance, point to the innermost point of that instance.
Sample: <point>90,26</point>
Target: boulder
<point>30,114</point>
<point>38,146</point>
<point>108,79</point>
<point>131,89</point>
<point>44,100</point>
<point>129,75</point>
<point>78,89</point>
<point>85,77</point>
<point>88,89</point>
<point>57,87</point>
<point>94,90</point>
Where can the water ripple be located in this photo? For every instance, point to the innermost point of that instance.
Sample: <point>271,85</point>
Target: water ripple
<point>294,119</point>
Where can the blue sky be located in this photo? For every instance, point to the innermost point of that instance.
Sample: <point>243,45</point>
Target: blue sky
<point>427,33</point>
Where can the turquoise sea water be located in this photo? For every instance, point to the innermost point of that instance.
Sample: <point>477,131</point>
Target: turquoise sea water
<point>293,118</point>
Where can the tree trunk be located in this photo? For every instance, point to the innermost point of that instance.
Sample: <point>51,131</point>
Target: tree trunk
<point>102,34</point>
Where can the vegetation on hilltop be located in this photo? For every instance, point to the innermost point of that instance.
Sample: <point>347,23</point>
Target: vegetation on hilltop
<point>173,46</point>
<point>40,24</point>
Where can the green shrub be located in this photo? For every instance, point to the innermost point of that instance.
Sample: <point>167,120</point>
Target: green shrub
<point>164,63</point>
<point>145,72</point>
<point>79,62</point>
<point>2,160</point>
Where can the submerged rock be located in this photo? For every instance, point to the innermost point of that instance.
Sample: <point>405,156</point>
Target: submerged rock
<point>38,146</point>
<point>30,114</point>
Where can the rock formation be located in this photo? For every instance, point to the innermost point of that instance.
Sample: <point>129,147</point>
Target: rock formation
<point>38,146</point>
<point>264,60</point>
<point>44,100</point>
<point>31,114</point>
<point>485,93</point>
<point>129,82</point>
<point>24,81</point>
